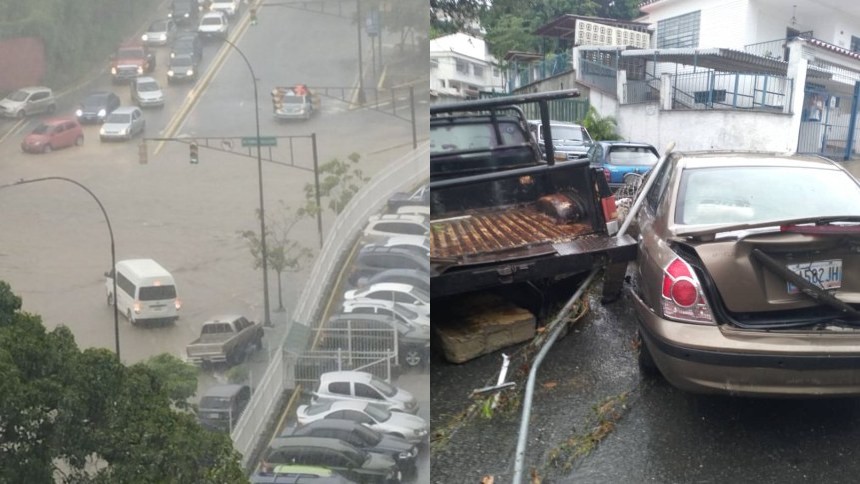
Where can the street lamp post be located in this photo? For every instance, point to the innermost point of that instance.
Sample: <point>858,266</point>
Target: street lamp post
<point>266,320</point>
<point>112,245</point>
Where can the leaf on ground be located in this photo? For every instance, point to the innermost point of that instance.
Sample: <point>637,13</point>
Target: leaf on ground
<point>550,384</point>
<point>487,480</point>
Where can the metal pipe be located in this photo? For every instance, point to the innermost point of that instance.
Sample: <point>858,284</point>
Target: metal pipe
<point>519,461</point>
<point>642,191</point>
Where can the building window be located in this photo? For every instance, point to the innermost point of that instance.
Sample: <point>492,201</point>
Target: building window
<point>855,44</point>
<point>462,66</point>
<point>477,70</point>
<point>680,31</point>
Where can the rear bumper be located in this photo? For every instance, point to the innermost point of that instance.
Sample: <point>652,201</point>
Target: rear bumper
<point>203,359</point>
<point>719,359</point>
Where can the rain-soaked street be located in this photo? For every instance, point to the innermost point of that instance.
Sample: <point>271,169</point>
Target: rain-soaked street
<point>596,420</point>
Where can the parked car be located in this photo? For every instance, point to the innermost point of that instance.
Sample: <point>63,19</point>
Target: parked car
<point>299,474</point>
<point>53,134</point>
<point>409,296</point>
<point>746,276</point>
<point>159,32</point>
<point>222,405</point>
<point>225,339</point>
<point>213,25</point>
<point>124,123</point>
<point>184,12</point>
<point>418,244</point>
<point>395,310</point>
<point>393,224</point>
<point>334,454</point>
<point>618,159</point>
<point>228,7</point>
<point>96,106</point>
<point>570,141</point>
<point>145,92</point>
<point>363,387</point>
<point>417,278</point>
<point>376,332</point>
<point>373,259</point>
<point>410,427</point>
<point>361,436</point>
<point>182,68</point>
<point>187,43</point>
<point>28,101</point>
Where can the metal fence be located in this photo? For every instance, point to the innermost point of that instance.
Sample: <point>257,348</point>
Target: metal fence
<point>401,175</point>
<point>598,75</point>
<point>552,65</point>
<point>305,368</point>
<point>731,90</point>
<point>567,110</point>
<point>640,92</point>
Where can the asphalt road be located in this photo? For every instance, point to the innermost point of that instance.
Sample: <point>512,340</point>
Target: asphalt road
<point>595,419</point>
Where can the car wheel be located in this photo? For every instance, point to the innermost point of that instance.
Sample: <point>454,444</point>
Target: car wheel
<point>47,148</point>
<point>645,360</point>
<point>130,319</point>
<point>79,140</point>
<point>412,357</point>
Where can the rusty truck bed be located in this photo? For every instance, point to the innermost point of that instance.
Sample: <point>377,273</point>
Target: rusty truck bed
<point>473,237</point>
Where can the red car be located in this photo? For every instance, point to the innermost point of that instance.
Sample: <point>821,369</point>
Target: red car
<point>52,134</point>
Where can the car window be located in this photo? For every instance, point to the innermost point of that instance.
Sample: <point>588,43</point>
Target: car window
<point>17,96</point>
<point>748,194</point>
<point>339,387</point>
<point>365,391</point>
<point>631,155</point>
<point>368,435</point>
<point>39,96</point>
<point>655,194</point>
<point>147,86</point>
<point>42,129</point>
<point>154,293</point>
<point>357,416</point>
<point>565,133</point>
<point>383,387</point>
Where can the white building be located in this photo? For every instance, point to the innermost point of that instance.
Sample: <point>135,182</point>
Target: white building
<point>734,74</point>
<point>461,67</point>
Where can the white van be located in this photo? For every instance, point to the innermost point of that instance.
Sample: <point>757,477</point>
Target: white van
<point>146,291</point>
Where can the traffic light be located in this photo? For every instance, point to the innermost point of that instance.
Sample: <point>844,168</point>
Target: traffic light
<point>193,153</point>
<point>253,15</point>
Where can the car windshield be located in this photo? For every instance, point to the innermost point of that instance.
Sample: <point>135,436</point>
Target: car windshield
<point>96,100</point>
<point>130,53</point>
<point>757,194</point>
<point>406,312</point>
<point>293,99</point>
<point>472,136</point>
<point>211,21</point>
<point>180,62</point>
<point>118,118</point>
<point>17,96</point>
<point>183,43</point>
<point>158,26</point>
<point>565,133</point>
<point>631,155</point>
<point>215,402</point>
<point>147,87</point>
<point>423,296</point>
<point>385,388</point>
<point>42,129</point>
<point>379,414</point>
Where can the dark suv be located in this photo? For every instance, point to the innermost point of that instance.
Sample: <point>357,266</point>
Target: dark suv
<point>334,454</point>
<point>185,12</point>
<point>189,44</point>
<point>373,259</point>
<point>222,405</point>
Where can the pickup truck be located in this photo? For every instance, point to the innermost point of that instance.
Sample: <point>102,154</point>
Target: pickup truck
<point>294,102</point>
<point>500,214</point>
<point>130,61</point>
<point>225,339</point>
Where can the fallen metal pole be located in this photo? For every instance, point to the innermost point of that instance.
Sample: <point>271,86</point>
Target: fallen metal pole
<point>557,326</point>
<point>642,191</point>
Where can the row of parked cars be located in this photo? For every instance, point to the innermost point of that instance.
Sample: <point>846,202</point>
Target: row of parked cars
<point>357,428</point>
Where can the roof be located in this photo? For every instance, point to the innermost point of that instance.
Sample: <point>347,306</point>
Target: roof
<point>345,375</point>
<point>148,266</point>
<point>834,48</point>
<point>624,143</point>
<point>720,158</point>
<point>303,442</point>
<point>564,27</point>
<point>227,390</point>
<point>555,123</point>
<point>718,58</point>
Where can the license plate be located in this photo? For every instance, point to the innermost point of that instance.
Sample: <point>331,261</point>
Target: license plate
<point>214,415</point>
<point>826,274</point>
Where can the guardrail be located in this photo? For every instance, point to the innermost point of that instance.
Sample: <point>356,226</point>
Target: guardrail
<point>402,174</point>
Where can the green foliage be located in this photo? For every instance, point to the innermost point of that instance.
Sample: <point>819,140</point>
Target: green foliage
<point>239,374</point>
<point>73,48</point>
<point>339,182</point>
<point>284,254</point>
<point>600,127</point>
<point>510,32</point>
<point>179,377</point>
<point>63,410</point>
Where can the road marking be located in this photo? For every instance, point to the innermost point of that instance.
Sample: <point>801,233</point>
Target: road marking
<point>15,128</point>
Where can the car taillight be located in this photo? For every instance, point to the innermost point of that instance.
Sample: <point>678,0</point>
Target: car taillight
<point>266,468</point>
<point>683,299</point>
<point>137,307</point>
<point>177,303</point>
<point>606,174</point>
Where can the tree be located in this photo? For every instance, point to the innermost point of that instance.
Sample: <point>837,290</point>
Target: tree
<point>179,377</point>
<point>284,253</point>
<point>341,181</point>
<point>510,32</point>
<point>62,410</point>
<point>600,127</point>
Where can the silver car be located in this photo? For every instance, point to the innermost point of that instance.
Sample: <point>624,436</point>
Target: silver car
<point>360,386</point>
<point>123,124</point>
<point>404,425</point>
<point>160,32</point>
<point>146,92</point>
<point>27,101</point>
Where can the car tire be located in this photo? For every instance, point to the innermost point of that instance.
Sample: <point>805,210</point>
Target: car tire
<point>79,141</point>
<point>413,357</point>
<point>644,357</point>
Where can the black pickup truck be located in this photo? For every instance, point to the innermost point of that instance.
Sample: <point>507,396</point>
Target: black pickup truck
<point>500,214</point>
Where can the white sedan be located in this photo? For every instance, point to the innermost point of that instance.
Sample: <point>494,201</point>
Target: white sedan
<point>405,294</point>
<point>399,424</point>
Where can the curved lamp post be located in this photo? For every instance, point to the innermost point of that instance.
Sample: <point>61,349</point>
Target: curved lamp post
<point>266,320</point>
<point>110,232</point>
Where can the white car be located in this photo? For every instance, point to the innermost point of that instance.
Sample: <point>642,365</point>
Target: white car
<point>393,224</point>
<point>405,294</point>
<point>360,386</point>
<point>399,424</point>
<point>418,243</point>
<point>400,312</point>
<point>122,124</point>
<point>229,7</point>
<point>414,210</point>
<point>213,24</point>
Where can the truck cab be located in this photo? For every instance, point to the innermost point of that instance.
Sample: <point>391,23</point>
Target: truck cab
<point>130,61</point>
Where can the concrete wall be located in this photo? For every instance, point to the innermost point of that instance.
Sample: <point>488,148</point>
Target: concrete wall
<point>705,130</point>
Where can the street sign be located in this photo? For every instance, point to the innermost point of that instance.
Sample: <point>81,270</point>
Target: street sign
<point>264,141</point>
